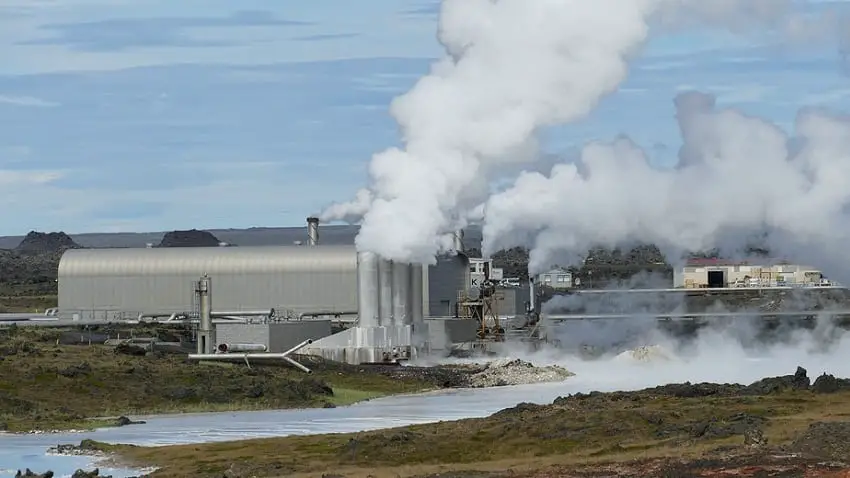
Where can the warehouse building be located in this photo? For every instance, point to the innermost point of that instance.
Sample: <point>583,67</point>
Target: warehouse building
<point>714,273</point>
<point>118,284</point>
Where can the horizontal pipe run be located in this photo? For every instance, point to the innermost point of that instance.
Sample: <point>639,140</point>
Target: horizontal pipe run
<point>242,313</point>
<point>247,356</point>
<point>320,313</point>
<point>695,315</point>
<point>230,348</point>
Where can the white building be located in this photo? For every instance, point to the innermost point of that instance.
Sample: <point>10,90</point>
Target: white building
<point>556,278</point>
<point>699,273</point>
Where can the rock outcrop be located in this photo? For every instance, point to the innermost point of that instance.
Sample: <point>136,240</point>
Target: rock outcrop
<point>189,238</point>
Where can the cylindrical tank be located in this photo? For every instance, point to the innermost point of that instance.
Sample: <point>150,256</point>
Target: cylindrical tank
<point>368,291</point>
<point>385,283</point>
<point>227,348</point>
<point>401,293</point>
<point>416,294</point>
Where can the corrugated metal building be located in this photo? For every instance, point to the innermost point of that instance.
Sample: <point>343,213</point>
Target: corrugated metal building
<point>111,284</point>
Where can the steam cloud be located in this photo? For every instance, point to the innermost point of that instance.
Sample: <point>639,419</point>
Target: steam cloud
<point>737,177</point>
<point>514,66</point>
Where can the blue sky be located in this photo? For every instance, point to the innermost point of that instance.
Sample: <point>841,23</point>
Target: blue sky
<point>154,115</point>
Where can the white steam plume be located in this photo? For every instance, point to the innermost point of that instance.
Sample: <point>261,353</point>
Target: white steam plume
<point>738,177</point>
<point>513,66</point>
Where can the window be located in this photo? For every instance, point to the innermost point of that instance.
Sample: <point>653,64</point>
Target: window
<point>473,268</point>
<point>562,279</point>
<point>547,278</point>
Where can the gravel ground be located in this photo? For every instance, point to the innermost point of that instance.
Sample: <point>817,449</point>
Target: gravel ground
<point>515,372</point>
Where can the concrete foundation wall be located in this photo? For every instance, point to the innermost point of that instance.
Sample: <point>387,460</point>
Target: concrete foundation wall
<point>365,345</point>
<point>443,332</point>
<point>277,337</point>
<point>285,335</point>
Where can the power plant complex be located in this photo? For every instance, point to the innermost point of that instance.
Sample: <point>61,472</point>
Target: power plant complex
<point>277,296</point>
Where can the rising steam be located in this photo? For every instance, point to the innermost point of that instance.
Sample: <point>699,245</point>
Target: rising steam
<point>514,66</point>
<point>738,177</point>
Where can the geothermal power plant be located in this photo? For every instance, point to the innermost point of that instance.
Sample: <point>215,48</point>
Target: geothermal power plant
<point>328,300</point>
<point>333,301</point>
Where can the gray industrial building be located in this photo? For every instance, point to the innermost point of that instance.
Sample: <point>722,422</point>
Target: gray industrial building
<point>115,284</point>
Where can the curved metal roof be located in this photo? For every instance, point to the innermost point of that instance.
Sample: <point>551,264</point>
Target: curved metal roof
<point>206,260</point>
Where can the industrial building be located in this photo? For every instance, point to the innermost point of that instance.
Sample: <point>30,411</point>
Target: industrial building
<point>558,278</point>
<point>118,284</point>
<point>714,273</point>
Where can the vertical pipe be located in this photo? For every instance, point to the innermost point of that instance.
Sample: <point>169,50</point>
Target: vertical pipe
<point>458,240</point>
<point>313,230</point>
<point>385,281</point>
<point>426,290</point>
<point>368,291</point>
<point>401,292</point>
<point>532,295</point>
<point>416,294</point>
<point>205,336</point>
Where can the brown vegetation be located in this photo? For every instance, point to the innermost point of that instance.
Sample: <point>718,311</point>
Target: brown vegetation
<point>678,430</point>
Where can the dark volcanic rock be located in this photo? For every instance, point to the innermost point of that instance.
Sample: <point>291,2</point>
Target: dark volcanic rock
<point>798,381</point>
<point>123,421</point>
<point>825,440</point>
<point>42,242</point>
<point>829,384</point>
<point>30,473</point>
<point>190,238</point>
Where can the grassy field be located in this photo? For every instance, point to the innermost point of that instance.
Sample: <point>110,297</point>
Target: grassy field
<point>578,431</point>
<point>27,303</point>
<point>48,386</point>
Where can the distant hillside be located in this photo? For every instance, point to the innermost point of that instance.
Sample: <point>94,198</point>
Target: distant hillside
<point>255,236</point>
<point>45,242</point>
<point>190,238</point>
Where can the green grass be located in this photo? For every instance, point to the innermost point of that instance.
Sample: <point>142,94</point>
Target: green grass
<point>44,386</point>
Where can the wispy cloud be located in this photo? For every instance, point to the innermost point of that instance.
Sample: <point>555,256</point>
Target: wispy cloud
<point>27,101</point>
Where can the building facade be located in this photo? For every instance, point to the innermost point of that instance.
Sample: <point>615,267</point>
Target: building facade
<point>701,273</point>
<point>116,284</point>
<point>558,278</point>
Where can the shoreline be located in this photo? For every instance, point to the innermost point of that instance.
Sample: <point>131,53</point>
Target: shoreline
<point>574,432</point>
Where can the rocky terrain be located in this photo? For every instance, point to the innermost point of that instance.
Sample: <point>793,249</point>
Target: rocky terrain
<point>53,379</point>
<point>778,426</point>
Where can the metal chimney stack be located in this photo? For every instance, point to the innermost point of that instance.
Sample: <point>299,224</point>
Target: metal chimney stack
<point>313,230</point>
<point>458,240</point>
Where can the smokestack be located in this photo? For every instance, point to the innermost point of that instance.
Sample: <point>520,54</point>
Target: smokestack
<point>368,290</point>
<point>458,241</point>
<point>206,332</point>
<point>401,293</point>
<point>532,295</point>
<point>313,230</point>
<point>385,284</point>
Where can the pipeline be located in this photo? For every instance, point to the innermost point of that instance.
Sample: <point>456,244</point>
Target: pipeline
<point>257,355</point>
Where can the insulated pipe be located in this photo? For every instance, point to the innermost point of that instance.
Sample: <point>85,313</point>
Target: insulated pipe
<point>313,230</point>
<point>228,348</point>
<point>243,313</point>
<point>385,284</point>
<point>401,293</point>
<point>239,356</point>
<point>368,290</point>
<point>532,295</point>
<point>416,294</point>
